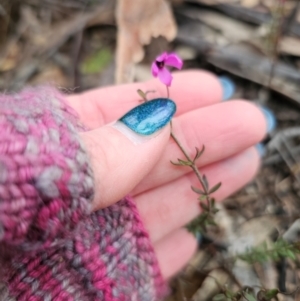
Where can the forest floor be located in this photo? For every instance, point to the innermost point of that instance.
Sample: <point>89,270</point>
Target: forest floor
<point>256,43</point>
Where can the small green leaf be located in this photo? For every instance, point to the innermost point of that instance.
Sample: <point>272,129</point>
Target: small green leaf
<point>249,297</point>
<point>142,94</point>
<point>215,188</point>
<point>204,206</point>
<point>176,163</point>
<point>197,190</point>
<point>205,182</point>
<point>181,163</point>
<point>202,197</point>
<point>272,293</point>
<point>229,294</point>
<point>186,163</point>
<point>203,216</point>
<point>290,254</point>
<point>199,152</point>
<point>282,253</point>
<point>219,297</point>
<point>274,254</point>
<point>211,222</point>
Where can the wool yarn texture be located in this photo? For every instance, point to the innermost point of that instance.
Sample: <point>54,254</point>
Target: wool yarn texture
<point>52,246</point>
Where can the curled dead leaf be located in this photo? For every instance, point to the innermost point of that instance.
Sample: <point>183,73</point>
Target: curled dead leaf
<point>138,22</point>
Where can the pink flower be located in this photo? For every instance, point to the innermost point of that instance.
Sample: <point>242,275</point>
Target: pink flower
<point>159,70</point>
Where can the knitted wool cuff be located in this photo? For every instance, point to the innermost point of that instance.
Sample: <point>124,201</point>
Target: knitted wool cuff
<point>64,252</point>
<point>46,183</point>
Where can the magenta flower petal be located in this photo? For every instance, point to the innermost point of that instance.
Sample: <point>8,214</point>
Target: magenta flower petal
<point>154,69</point>
<point>162,57</point>
<point>159,70</point>
<point>165,76</point>
<point>174,60</point>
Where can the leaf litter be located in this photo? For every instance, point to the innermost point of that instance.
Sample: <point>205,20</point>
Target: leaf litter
<point>81,44</point>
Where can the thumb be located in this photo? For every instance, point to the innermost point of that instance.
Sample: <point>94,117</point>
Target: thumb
<point>122,153</point>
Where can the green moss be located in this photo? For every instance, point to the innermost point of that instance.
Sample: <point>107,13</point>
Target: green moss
<point>97,61</point>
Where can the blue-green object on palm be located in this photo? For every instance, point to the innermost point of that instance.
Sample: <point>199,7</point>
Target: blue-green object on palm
<point>149,117</point>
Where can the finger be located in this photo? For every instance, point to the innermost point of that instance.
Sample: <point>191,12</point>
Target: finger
<point>174,251</point>
<point>120,157</point>
<point>190,90</point>
<point>225,129</point>
<point>166,209</point>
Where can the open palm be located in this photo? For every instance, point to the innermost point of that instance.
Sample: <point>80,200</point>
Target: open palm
<point>229,131</point>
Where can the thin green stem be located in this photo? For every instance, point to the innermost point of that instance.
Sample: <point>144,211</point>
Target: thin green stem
<point>209,209</point>
<point>193,165</point>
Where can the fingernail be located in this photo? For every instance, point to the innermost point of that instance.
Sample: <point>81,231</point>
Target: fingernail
<point>260,149</point>
<point>199,239</point>
<point>270,118</point>
<point>228,87</point>
<point>149,117</point>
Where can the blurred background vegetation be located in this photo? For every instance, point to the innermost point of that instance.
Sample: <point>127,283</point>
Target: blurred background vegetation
<point>80,44</point>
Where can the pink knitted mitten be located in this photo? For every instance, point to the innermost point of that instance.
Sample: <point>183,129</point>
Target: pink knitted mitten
<point>51,246</point>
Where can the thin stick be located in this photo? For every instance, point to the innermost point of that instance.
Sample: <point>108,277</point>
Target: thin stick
<point>278,34</point>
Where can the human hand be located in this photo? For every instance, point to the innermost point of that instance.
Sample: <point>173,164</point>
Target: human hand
<point>229,131</point>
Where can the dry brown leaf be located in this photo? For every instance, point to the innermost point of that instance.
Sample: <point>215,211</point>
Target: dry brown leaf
<point>51,75</point>
<point>249,3</point>
<point>271,5</point>
<point>211,285</point>
<point>5,8</point>
<point>52,38</point>
<point>215,2</point>
<point>138,22</point>
<point>290,45</point>
<point>10,57</point>
<point>56,35</point>
<point>226,27</point>
<point>34,28</point>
